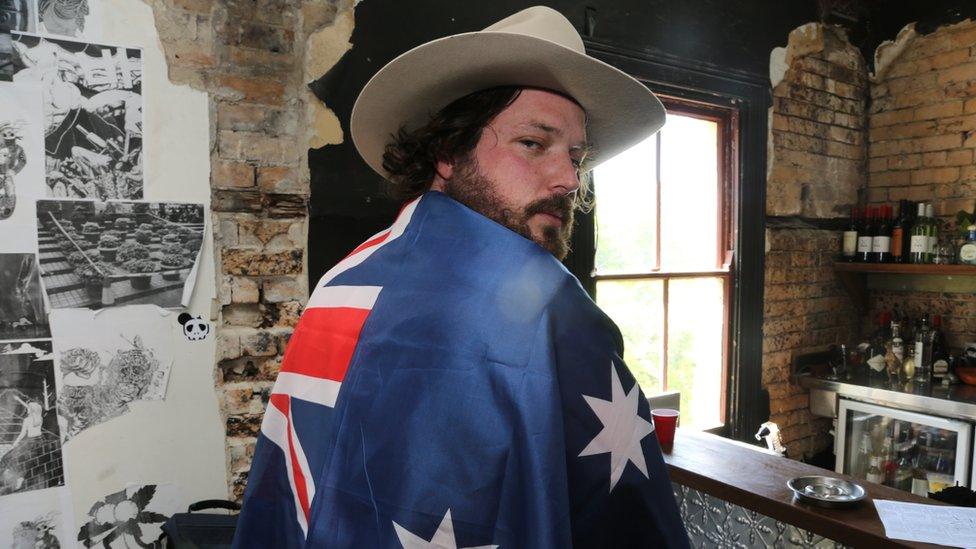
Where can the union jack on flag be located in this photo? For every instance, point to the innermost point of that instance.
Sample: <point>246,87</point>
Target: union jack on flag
<point>450,384</point>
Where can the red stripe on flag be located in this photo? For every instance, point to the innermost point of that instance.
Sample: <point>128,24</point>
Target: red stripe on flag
<point>283,404</point>
<point>324,341</point>
<point>370,243</point>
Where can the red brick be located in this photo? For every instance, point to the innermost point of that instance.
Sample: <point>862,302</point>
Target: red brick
<point>255,89</point>
<point>227,175</point>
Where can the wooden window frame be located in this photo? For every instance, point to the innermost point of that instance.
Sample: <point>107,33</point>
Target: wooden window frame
<point>727,122</point>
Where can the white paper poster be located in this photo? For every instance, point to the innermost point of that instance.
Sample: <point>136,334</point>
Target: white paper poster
<point>104,254</point>
<point>21,164</point>
<point>30,434</point>
<point>80,19</point>
<point>129,518</point>
<point>92,107</point>
<point>107,360</point>
<point>37,520</point>
<point>22,312</point>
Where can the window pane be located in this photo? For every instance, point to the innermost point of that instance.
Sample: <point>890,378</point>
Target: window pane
<point>638,309</point>
<point>689,194</point>
<point>696,316</point>
<point>625,210</point>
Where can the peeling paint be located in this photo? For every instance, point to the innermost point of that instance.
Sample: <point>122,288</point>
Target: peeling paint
<point>804,40</point>
<point>889,50</point>
<point>777,66</point>
<point>323,49</point>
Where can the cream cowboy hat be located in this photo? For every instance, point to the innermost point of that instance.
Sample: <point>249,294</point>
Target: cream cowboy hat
<point>536,47</point>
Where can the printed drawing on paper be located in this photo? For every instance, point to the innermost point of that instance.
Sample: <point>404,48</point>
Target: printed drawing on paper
<point>92,114</point>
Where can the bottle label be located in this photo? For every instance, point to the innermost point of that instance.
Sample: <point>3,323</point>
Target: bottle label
<point>863,244</point>
<point>967,253</point>
<point>897,234</point>
<point>919,244</point>
<point>877,363</point>
<point>919,357</point>
<point>898,349</point>
<point>933,243</point>
<point>940,366</point>
<point>881,244</point>
<point>874,477</point>
<point>850,243</point>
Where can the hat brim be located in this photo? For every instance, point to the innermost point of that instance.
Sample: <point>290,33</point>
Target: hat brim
<point>410,89</point>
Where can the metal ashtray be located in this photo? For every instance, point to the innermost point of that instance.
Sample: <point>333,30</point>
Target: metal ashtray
<point>826,491</point>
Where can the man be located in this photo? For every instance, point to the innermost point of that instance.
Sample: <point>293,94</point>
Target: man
<point>450,383</point>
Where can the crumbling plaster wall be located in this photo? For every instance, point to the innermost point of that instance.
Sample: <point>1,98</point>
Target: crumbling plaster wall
<point>816,160</point>
<point>254,59</point>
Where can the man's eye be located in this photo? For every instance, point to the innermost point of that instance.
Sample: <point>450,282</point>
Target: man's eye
<point>530,144</point>
<point>577,163</point>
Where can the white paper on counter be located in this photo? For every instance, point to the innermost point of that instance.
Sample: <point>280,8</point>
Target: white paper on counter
<point>941,524</point>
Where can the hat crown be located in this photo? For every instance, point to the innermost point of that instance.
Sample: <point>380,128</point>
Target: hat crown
<point>541,22</point>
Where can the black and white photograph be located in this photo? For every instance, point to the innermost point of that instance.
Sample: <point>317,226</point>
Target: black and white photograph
<point>6,57</point>
<point>102,254</point>
<point>21,163</point>
<point>30,437</point>
<point>41,519</point>
<point>107,360</point>
<point>132,517</point>
<point>70,18</point>
<point>22,314</point>
<point>92,115</point>
<point>18,15</point>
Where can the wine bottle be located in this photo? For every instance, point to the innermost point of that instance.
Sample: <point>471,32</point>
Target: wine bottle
<point>881,241</point>
<point>865,237</point>
<point>898,230</point>
<point>919,244</point>
<point>940,351</point>
<point>849,247</point>
<point>933,231</point>
<point>923,352</point>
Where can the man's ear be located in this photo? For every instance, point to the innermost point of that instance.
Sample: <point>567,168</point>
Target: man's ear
<point>443,171</point>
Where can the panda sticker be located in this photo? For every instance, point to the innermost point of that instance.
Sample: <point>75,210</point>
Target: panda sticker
<point>194,327</point>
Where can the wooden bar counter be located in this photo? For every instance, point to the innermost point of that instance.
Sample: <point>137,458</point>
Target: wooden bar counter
<point>755,479</point>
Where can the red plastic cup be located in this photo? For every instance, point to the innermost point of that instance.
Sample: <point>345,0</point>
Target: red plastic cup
<point>665,420</point>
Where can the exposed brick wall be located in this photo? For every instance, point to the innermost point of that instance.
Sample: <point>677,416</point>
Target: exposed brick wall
<point>805,309</point>
<point>922,121</point>
<point>815,169</point>
<point>250,56</point>
<point>816,146</point>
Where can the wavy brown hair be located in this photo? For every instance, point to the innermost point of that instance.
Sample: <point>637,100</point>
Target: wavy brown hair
<point>411,158</point>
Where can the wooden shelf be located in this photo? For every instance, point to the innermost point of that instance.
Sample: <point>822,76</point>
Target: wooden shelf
<point>905,268</point>
<point>853,275</point>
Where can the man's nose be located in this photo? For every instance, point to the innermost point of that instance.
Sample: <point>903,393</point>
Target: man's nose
<point>564,176</point>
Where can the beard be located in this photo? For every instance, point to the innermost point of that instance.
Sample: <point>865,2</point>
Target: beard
<point>477,191</point>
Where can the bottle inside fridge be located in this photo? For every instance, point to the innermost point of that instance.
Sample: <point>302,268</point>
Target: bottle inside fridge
<point>914,456</point>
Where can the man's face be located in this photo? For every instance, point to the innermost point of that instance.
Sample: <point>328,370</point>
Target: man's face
<point>523,172</point>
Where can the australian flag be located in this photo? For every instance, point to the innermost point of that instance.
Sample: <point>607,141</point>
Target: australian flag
<point>451,385</point>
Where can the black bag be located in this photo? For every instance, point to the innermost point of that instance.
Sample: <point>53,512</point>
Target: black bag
<point>192,530</point>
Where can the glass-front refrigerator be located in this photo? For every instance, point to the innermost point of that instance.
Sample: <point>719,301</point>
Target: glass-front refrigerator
<point>914,452</point>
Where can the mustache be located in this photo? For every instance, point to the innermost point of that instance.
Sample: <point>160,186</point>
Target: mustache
<point>560,206</point>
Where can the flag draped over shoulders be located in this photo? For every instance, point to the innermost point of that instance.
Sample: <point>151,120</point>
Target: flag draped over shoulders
<point>450,384</point>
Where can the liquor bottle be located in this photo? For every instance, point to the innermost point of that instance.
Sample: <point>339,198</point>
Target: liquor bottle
<point>933,230</point>
<point>876,351</point>
<point>903,472</point>
<point>967,251</point>
<point>849,247</point>
<point>863,458</point>
<point>888,464</point>
<point>939,349</point>
<point>908,368</point>
<point>918,247</point>
<point>897,343</point>
<point>898,230</point>
<point>865,237</point>
<point>881,240</point>
<point>923,352</point>
<point>874,473</point>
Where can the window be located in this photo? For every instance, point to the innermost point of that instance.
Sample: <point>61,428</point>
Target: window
<point>664,234</point>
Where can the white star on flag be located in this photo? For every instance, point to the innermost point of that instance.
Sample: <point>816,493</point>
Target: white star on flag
<point>443,537</point>
<point>622,431</point>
